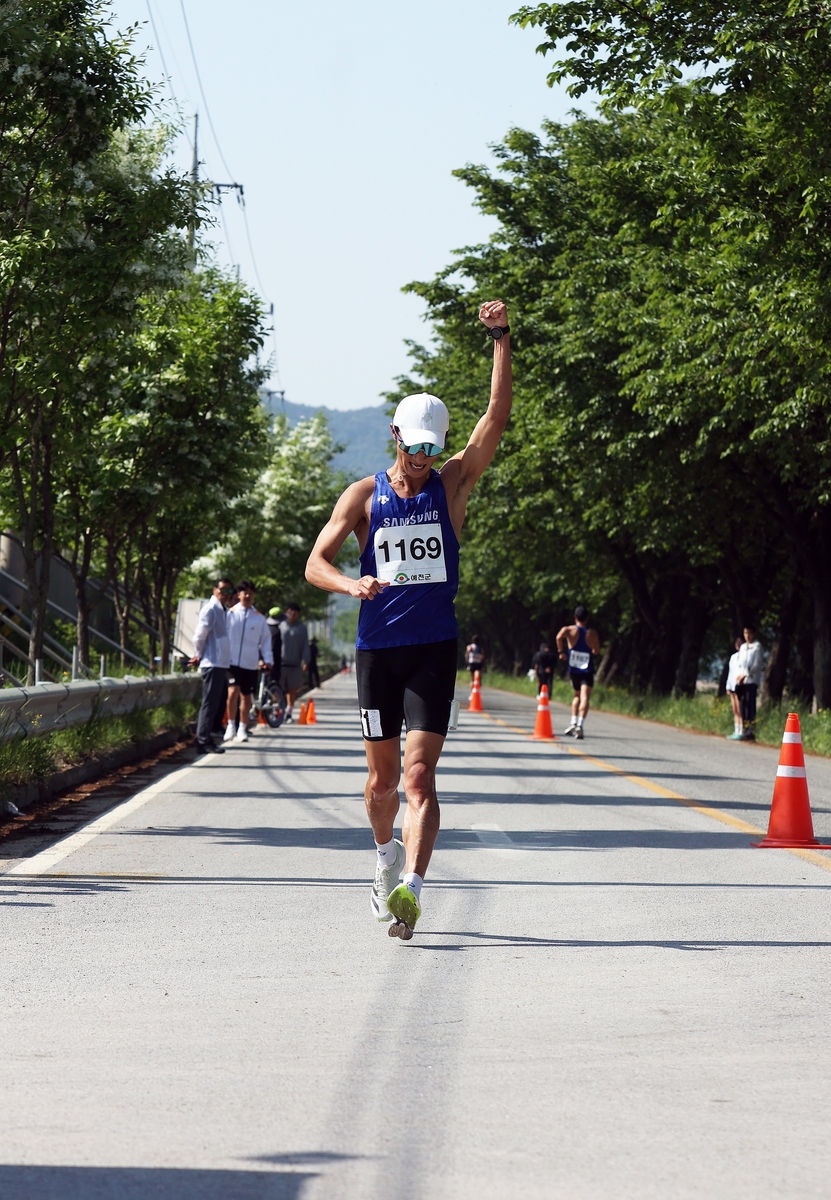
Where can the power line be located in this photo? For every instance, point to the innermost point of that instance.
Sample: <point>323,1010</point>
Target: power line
<point>161,52</point>
<point>202,91</point>
<point>240,195</point>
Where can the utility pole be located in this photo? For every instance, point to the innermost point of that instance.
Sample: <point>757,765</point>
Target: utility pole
<point>194,174</point>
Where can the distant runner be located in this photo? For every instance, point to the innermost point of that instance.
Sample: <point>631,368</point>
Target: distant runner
<point>408,520</point>
<point>582,644</point>
<point>474,655</point>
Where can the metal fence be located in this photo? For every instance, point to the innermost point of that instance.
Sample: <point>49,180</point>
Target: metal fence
<point>46,707</point>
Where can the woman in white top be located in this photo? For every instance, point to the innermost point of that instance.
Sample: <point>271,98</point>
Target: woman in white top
<point>732,668</point>
<point>750,667</point>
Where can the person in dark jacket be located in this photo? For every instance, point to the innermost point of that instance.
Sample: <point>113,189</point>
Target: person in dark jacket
<point>544,663</point>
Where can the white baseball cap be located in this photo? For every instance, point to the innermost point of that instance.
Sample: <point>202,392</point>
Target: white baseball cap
<point>422,418</point>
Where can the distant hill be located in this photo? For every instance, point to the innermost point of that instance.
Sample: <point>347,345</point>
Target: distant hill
<point>364,431</point>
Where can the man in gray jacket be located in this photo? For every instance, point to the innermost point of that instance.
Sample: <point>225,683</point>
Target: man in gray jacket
<point>295,643</point>
<point>212,654</point>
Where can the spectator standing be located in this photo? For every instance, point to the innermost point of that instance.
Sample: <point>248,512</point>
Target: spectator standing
<point>749,669</point>
<point>275,616</point>
<point>250,639</point>
<point>295,639</point>
<point>474,655</point>
<point>212,654</point>
<point>730,688</point>
<point>544,663</point>
<point>314,673</point>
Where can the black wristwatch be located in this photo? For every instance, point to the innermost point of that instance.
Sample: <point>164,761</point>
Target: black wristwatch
<point>498,331</point>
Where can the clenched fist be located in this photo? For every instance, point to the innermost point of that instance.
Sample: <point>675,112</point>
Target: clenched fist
<point>367,587</point>
<point>495,312</point>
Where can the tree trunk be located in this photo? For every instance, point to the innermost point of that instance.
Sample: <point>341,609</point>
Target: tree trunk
<point>696,621</point>
<point>773,683</point>
<point>821,590</point>
<point>37,524</point>
<point>606,661</point>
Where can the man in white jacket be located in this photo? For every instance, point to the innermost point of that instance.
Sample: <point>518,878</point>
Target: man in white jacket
<point>211,653</point>
<point>750,667</point>
<point>250,638</point>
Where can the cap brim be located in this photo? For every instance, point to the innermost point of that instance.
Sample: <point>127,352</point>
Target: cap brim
<point>412,437</point>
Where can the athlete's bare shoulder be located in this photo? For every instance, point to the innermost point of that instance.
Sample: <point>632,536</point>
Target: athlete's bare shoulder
<point>357,498</point>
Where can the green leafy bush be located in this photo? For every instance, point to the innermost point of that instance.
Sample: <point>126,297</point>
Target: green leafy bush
<point>31,759</point>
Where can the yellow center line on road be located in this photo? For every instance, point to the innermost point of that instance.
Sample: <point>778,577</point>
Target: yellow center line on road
<point>705,809</point>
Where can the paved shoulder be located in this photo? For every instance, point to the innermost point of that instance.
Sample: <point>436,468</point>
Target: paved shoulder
<point>199,1003</point>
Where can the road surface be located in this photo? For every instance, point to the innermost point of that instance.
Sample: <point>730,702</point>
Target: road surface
<point>610,994</point>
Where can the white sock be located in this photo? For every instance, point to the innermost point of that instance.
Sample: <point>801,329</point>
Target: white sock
<point>579,722</point>
<point>740,727</point>
<point>415,882</point>
<point>386,853</point>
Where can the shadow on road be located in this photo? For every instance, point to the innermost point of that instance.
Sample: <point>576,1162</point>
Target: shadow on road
<point>141,1183</point>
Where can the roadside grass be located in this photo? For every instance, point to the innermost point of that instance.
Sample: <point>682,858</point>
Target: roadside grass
<point>703,713</point>
<point>31,759</point>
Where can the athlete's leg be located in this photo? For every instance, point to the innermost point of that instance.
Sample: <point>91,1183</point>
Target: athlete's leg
<point>233,700</point>
<point>245,709</point>
<point>421,817</point>
<point>584,698</point>
<point>575,707</point>
<point>381,791</point>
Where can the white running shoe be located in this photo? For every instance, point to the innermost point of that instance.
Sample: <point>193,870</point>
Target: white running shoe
<point>386,880</point>
<point>242,734</point>
<point>230,731</point>
<point>570,731</point>
<point>578,733</point>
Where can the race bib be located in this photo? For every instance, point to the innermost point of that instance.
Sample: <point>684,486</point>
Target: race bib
<point>407,554</point>
<point>579,660</point>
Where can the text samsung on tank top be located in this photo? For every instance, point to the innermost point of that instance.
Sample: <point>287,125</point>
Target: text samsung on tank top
<point>413,547</point>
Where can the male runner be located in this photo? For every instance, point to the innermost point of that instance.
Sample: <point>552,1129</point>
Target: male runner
<point>583,644</point>
<point>407,521</point>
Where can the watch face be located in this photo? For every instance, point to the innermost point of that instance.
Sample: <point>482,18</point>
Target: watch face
<point>496,332</point>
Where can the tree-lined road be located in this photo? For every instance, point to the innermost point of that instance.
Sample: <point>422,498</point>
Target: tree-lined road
<point>610,994</point>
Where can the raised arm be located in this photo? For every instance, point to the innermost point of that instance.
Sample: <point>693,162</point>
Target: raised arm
<point>348,516</point>
<point>461,472</point>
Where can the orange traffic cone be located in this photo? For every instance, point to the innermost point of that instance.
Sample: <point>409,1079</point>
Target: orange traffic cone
<point>475,703</point>
<point>542,727</point>
<point>261,718</point>
<point>303,719</point>
<point>311,719</point>
<point>790,825</point>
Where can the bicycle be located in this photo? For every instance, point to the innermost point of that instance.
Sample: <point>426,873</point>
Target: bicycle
<point>271,701</point>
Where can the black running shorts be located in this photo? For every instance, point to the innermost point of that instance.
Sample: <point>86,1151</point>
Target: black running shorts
<point>412,683</point>
<point>244,678</point>
<point>578,678</point>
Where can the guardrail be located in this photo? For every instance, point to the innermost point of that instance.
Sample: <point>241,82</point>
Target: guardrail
<point>46,707</point>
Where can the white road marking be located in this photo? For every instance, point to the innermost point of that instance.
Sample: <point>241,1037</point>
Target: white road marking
<point>493,837</point>
<point>45,860</point>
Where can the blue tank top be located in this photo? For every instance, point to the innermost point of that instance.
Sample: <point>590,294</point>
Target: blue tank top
<point>410,540</point>
<point>582,660</point>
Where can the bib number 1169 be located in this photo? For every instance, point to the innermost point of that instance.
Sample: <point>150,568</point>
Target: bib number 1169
<point>406,554</point>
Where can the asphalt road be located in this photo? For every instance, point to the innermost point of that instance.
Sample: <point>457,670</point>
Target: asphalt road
<point>610,993</point>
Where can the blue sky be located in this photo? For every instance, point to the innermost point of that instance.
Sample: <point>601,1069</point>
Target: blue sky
<point>344,121</point>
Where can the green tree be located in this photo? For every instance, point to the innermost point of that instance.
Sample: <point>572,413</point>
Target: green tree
<point>276,522</point>
<point>82,224</point>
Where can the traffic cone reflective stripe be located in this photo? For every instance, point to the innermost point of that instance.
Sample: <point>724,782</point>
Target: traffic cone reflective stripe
<point>311,719</point>
<point>790,825</point>
<point>543,731</point>
<point>303,719</point>
<point>475,704</point>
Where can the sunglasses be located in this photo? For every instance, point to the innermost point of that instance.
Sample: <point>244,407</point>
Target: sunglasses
<point>428,448</point>
<point>227,591</point>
